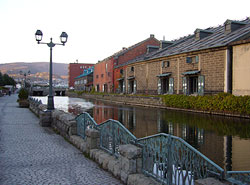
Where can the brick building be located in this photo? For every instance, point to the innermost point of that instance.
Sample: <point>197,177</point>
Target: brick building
<point>106,78</point>
<point>202,63</point>
<point>128,54</point>
<point>103,75</point>
<point>84,82</point>
<point>74,70</point>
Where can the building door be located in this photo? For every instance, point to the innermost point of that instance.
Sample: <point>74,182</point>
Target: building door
<point>105,87</point>
<point>193,85</point>
<point>97,88</point>
<point>164,85</point>
<point>131,86</point>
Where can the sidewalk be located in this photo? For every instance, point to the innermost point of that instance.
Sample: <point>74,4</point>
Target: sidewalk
<point>30,154</point>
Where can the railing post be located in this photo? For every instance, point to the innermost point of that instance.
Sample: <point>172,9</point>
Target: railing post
<point>170,162</point>
<point>113,138</point>
<point>84,125</point>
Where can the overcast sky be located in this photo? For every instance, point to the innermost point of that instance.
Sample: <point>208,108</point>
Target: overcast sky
<point>99,28</point>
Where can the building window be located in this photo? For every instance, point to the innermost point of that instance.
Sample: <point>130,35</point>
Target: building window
<point>121,71</point>
<point>102,75</point>
<point>192,60</point>
<point>162,64</point>
<point>97,76</point>
<point>106,66</point>
<point>132,69</point>
<point>109,74</point>
<point>167,64</point>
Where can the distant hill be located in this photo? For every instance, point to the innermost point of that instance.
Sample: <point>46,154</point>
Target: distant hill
<point>59,69</point>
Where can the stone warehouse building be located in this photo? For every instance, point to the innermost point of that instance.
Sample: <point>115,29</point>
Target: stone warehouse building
<point>108,79</point>
<point>208,62</point>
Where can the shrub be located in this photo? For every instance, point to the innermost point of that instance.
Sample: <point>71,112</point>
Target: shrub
<point>23,94</point>
<point>222,102</point>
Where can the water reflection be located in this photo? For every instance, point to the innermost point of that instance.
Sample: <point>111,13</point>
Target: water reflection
<point>224,140</point>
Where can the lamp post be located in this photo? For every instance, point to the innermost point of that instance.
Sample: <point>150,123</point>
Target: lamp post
<point>63,38</point>
<point>24,74</point>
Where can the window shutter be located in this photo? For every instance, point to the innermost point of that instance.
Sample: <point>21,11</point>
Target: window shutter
<point>159,86</point>
<point>197,59</point>
<point>129,88</point>
<point>123,87</point>
<point>171,86</point>
<point>201,85</point>
<point>134,86</point>
<point>184,85</point>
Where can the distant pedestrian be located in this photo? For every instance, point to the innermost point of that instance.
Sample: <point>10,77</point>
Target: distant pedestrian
<point>9,92</point>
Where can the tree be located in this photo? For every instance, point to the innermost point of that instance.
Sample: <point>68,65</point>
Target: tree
<point>1,79</point>
<point>6,80</point>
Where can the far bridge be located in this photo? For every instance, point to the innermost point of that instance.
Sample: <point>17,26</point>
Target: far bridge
<point>44,91</point>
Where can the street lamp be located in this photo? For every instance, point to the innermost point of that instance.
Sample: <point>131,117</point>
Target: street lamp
<point>24,74</point>
<point>63,38</point>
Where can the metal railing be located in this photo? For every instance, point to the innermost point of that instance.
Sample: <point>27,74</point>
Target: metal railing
<point>84,121</point>
<point>168,159</point>
<point>171,160</point>
<point>238,177</point>
<point>113,134</point>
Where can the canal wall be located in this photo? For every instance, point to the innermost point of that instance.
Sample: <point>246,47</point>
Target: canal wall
<point>154,102</point>
<point>127,167</point>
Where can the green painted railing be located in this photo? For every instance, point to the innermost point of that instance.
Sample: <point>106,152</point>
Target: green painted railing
<point>238,177</point>
<point>168,159</point>
<point>171,160</point>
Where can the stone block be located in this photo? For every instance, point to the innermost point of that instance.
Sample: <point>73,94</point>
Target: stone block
<point>93,152</point>
<point>209,181</point>
<point>111,163</point>
<point>130,151</point>
<point>92,133</point>
<point>128,165</point>
<point>117,169</point>
<point>45,119</point>
<point>124,177</point>
<point>104,160</point>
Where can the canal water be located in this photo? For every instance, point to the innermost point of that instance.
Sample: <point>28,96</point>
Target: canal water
<point>224,140</point>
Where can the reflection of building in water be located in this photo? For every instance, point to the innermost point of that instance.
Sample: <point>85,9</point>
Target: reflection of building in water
<point>102,112</point>
<point>236,152</point>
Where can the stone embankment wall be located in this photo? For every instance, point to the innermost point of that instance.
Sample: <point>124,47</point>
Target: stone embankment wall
<point>124,99</point>
<point>126,167</point>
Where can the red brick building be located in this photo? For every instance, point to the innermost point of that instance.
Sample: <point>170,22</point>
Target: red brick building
<point>128,54</point>
<point>103,75</point>
<point>74,70</point>
<point>106,79</point>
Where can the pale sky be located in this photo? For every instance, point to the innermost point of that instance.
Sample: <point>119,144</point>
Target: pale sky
<point>99,28</point>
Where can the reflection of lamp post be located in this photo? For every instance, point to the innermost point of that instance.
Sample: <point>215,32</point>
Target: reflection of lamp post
<point>63,38</point>
<point>24,74</point>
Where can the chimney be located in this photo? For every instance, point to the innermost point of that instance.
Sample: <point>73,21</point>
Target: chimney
<point>151,48</point>
<point>152,36</point>
<point>165,44</point>
<point>230,26</point>
<point>200,34</point>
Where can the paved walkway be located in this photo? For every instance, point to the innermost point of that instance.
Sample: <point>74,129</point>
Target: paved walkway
<point>30,154</point>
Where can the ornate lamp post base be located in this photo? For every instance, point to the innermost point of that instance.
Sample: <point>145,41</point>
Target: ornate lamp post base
<point>50,105</point>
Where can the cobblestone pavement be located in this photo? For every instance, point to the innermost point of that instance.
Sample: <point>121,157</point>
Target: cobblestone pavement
<point>30,154</point>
